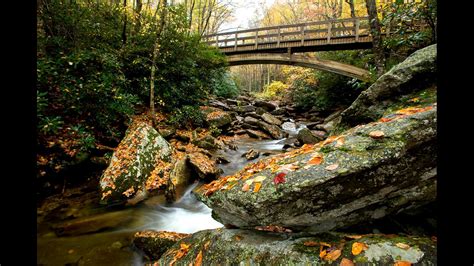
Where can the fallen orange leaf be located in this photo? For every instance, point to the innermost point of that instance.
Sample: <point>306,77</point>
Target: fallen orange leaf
<point>346,262</point>
<point>354,236</point>
<point>310,243</point>
<point>332,167</point>
<point>377,134</point>
<point>358,247</point>
<point>257,187</point>
<point>402,245</point>
<point>333,255</point>
<point>316,160</point>
<point>245,187</point>
<point>402,263</point>
<point>198,260</point>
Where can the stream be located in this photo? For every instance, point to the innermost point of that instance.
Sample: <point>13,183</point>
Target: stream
<point>113,246</point>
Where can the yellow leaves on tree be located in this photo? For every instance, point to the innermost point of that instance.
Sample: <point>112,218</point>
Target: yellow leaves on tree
<point>358,247</point>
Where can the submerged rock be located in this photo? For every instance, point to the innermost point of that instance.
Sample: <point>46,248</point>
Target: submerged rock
<point>249,247</point>
<point>133,161</point>
<point>155,243</point>
<point>366,173</point>
<point>93,223</point>
<point>251,154</point>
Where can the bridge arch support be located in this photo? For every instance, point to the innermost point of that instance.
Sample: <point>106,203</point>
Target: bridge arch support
<point>299,60</point>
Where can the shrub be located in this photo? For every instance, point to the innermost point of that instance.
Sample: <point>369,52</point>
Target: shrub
<point>187,116</point>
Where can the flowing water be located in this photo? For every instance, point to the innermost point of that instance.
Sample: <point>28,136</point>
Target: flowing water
<point>112,246</point>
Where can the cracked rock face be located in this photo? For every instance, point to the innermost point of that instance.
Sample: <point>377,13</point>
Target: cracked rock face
<point>365,173</point>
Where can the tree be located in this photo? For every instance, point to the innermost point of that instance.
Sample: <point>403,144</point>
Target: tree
<point>376,36</point>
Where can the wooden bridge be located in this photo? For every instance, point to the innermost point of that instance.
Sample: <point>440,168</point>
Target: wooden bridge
<point>277,44</point>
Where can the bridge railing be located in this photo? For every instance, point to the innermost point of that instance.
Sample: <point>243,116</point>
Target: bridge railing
<point>282,34</point>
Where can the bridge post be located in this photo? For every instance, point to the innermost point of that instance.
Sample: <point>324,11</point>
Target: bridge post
<point>279,34</point>
<point>235,42</point>
<point>357,25</point>
<point>302,34</point>
<point>217,41</point>
<point>256,39</point>
<point>329,31</point>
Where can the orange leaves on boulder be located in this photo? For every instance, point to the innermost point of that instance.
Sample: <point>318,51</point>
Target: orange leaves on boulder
<point>183,250</point>
<point>329,254</point>
<point>358,247</point>
<point>413,110</point>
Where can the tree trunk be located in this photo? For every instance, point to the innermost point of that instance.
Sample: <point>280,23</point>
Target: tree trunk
<point>351,6</point>
<point>124,31</point>
<point>155,55</point>
<point>138,10</point>
<point>376,36</point>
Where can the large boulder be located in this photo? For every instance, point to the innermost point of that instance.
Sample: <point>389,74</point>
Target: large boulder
<point>133,162</point>
<point>366,173</point>
<point>204,166</point>
<point>415,73</point>
<point>273,130</point>
<point>249,247</point>
<point>256,134</point>
<point>269,106</point>
<point>218,118</point>
<point>271,119</point>
<point>305,136</point>
<point>155,243</point>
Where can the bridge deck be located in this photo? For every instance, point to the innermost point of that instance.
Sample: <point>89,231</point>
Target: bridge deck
<point>340,34</point>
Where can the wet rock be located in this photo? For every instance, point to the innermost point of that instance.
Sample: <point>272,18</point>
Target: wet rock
<point>240,132</point>
<point>290,126</point>
<point>271,119</point>
<point>133,161</point>
<point>254,115</point>
<point>181,174</point>
<point>204,167</point>
<point>243,98</point>
<point>305,136</point>
<point>257,134</point>
<point>100,160</point>
<point>218,118</point>
<point>319,134</point>
<point>220,159</point>
<point>181,136</point>
<point>415,73</point>
<point>273,130</point>
<point>244,109</point>
<point>166,131</point>
<point>260,111</point>
<point>249,247</point>
<point>251,154</point>
<point>94,223</point>
<point>269,106</point>
<point>207,142</point>
<point>251,121</point>
<point>155,243</point>
<point>279,111</point>
<point>239,118</point>
<point>339,183</point>
<point>219,104</point>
